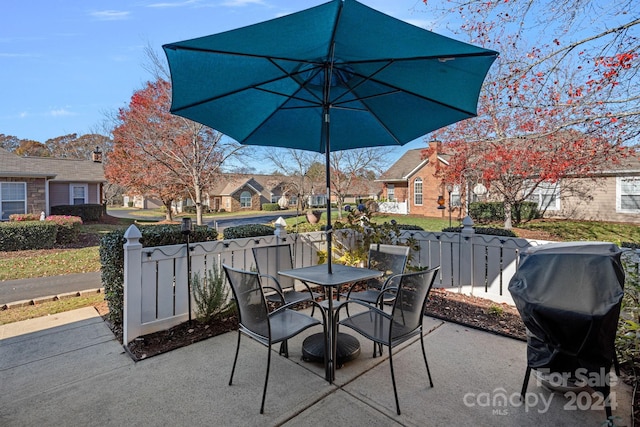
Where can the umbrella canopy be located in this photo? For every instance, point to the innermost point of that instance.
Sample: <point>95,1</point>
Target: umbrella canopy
<point>333,77</point>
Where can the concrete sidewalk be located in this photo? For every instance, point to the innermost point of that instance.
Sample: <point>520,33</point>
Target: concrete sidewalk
<point>68,369</point>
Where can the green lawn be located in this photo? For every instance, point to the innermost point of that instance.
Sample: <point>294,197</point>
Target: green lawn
<point>50,263</point>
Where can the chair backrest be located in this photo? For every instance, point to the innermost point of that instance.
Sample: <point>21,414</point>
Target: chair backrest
<point>390,259</point>
<point>270,259</point>
<point>252,307</point>
<point>411,298</point>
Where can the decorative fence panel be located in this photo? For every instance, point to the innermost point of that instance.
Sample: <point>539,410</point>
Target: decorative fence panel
<point>156,284</point>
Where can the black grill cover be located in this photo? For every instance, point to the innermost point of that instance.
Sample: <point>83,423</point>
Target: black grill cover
<point>569,296</point>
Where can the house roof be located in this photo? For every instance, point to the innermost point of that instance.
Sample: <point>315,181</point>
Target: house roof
<point>405,166</point>
<point>66,170</point>
<point>230,183</point>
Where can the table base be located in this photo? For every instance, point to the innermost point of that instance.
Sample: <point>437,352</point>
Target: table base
<point>348,348</point>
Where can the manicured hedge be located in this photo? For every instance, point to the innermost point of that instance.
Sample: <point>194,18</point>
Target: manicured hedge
<point>27,235</point>
<point>112,258</point>
<point>491,231</point>
<point>68,227</point>
<point>484,212</point>
<point>249,230</point>
<point>270,207</point>
<point>88,212</point>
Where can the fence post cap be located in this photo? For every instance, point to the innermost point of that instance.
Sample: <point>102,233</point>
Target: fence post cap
<point>132,233</point>
<point>467,225</point>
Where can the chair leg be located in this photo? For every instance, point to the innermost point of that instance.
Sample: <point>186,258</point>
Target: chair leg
<point>525,383</point>
<point>266,379</point>
<point>424,354</point>
<point>235,359</point>
<point>393,380</point>
<point>284,349</point>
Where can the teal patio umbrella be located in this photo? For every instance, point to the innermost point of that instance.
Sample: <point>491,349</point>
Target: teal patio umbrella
<point>337,76</point>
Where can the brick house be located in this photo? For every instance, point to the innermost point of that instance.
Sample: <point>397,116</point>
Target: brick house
<point>35,184</point>
<point>411,180</point>
<point>611,194</point>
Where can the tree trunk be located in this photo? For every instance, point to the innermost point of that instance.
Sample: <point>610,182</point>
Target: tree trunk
<point>507,216</point>
<point>169,213</point>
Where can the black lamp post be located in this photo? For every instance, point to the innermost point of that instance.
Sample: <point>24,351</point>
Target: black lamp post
<point>449,190</point>
<point>186,230</point>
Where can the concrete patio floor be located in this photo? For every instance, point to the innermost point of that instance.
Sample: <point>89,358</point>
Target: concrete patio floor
<point>68,369</point>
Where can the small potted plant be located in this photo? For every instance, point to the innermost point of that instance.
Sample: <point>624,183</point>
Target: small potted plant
<point>313,216</point>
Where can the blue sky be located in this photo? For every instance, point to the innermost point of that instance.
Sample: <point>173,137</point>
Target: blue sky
<point>65,64</point>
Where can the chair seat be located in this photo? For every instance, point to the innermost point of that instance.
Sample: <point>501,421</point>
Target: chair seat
<point>292,296</point>
<point>288,323</point>
<point>375,325</point>
<point>370,296</point>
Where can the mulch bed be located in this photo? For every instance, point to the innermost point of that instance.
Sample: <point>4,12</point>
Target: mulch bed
<point>467,310</point>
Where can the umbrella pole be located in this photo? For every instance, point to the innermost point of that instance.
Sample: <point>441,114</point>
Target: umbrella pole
<point>327,152</point>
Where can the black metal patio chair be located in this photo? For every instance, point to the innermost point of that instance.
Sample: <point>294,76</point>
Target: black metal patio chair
<point>391,260</point>
<point>270,260</point>
<point>256,322</point>
<point>404,321</point>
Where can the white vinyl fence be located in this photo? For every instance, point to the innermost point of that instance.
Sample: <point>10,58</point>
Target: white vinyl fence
<point>156,279</point>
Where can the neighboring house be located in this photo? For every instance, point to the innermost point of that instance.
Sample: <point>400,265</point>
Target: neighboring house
<point>609,195</point>
<point>235,192</point>
<point>141,202</point>
<point>238,192</point>
<point>411,184</point>
<point>35,184</point>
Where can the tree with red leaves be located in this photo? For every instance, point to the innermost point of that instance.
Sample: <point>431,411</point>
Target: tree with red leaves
<point>561,101</point>
<point>158,154</point>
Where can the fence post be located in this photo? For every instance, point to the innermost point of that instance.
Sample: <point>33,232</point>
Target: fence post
<point>465,260</point>
<point>131,324</point>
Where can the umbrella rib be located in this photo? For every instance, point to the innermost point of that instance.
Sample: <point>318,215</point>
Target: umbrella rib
<point>256,86</point>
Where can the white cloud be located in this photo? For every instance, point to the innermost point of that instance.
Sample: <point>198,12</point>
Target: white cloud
<point>60,112</point>
<point>174,4</point>
<point>111,15</point>
<point>242,3</point>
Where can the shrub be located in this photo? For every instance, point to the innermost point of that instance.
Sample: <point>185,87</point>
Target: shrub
<point>491,231</point>
<point>211,294</point>
<point>88,212</point>
<point>68,227</point>
<point>270,207</point>
<point>249,230</point>
<point>189,209</point>
<point>27,235</point>
<point>628,333</point>
<point>410,227</point>
<point>485,212</point>
<point>368,233</point>
<point>24,217</point>
<point>112,258</point>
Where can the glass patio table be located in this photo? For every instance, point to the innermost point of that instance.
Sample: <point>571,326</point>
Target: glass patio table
<point>340,275</point>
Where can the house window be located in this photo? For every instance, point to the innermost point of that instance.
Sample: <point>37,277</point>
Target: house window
<point>78,194</point>
<point>456,197</point>
<point>391,192</point>
<point>13,199</point>
<point>245,199</point>
<point>628,194</point>
<point>547,196</point>
<point>417,191</point>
